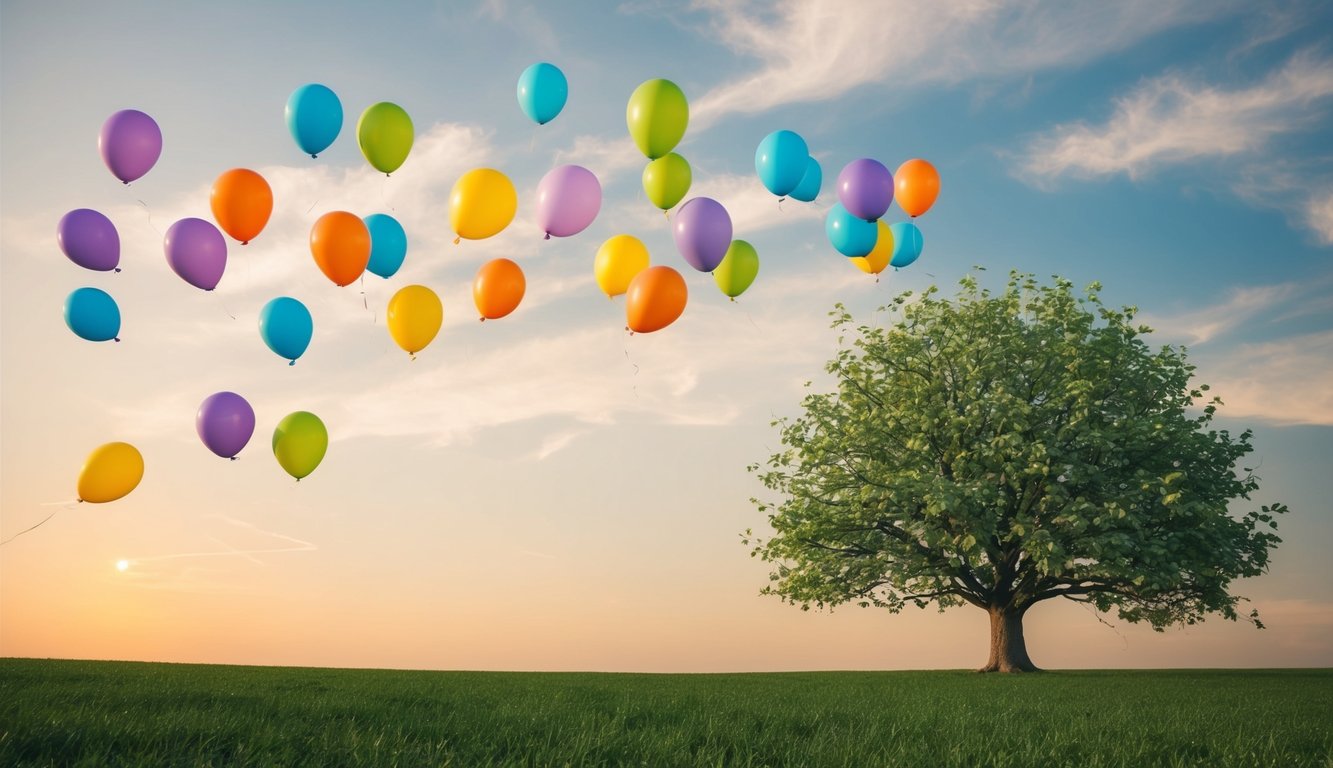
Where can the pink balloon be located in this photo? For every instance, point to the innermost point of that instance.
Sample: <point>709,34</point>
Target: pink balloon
<point>568,199</point>
<point>197,252</point>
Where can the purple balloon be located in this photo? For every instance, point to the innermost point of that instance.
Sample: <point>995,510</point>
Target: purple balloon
<point>703,233</point>
<point>130,143</point>
<point>197,252</point>
<point>865,188</point>
<point>225,423</point>
<point>89,239</point>
<point>568,199</point>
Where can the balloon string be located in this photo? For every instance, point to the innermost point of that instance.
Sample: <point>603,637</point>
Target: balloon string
<point>25,530</point>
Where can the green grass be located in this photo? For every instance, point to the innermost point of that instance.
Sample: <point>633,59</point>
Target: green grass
<point>74,713</point>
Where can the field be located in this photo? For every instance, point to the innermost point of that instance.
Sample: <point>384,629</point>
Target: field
<point>75,713</point>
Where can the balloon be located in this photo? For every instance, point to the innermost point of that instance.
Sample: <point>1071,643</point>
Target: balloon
<point>299,443</point>
<point>89,239</point>
<point>666,180</point>
<point>850,235</point>
<point>702,233</point>
<point>874,262</point>
<point>918,184</point>
<point>340,243</point>
<point>542,91</point>
<point>130,143</point>
<point>498,288</point>
<point>907,243</point>
<point>286,327</point>
<point>414,317</point>
<point>110,472</point>
<point>385,134</point>
<point>865,188</point>
<point>656,297</point>
<point>197,252</point>
<point>242,202</point>
<point>568,199</point>
<point>811,181</point>
<point>388,244</point>
<point>314,116</point>
<point>738,269</point>
<point>618,261</point>
<point>225,422</point>
<point>92,314</point>
<point>780,161</point>
<point>657,114</point>
<point>482,203</point>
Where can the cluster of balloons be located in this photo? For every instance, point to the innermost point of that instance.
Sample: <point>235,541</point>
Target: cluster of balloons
<point>384,132</point>
<point>786,168</point>
<point>225,422</point>
<point>865,190</point>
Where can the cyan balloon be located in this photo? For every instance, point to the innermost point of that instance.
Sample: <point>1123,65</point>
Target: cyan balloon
<point>92,314</point>
<point>388,244</point>
<point>850,235</point>
<point>542,92</point>
<point>286,327</point>
<point>314,116</point>
<point>780,161</point>
<point>811,182</point>
<point>907,243</point>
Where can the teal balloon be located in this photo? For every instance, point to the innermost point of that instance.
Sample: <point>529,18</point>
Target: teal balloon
<point>542,92</point>
<point>388,244</point>
<point>314,117</point>
<point>92,314</point>
<point>850,235</point>
<point>780,161</point>
<point>811,182</point>
<point>907,243</point>
<point>286,327</point>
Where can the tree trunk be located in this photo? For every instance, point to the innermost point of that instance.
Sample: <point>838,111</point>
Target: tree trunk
<point>1008,651</point>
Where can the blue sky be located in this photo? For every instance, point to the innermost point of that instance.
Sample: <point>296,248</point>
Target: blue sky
<point>543,491</point>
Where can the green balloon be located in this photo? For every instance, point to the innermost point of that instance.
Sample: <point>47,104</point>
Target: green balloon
<point>738,268</point>
<point>385,135</point>
<point>657,115</point>
<point>299,443</point>
<point>666,180</point>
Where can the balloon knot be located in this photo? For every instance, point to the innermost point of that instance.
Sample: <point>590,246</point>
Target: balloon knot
<point>80,501</point>
<point>386,175</point>
<point>313,156</point>
<point>117,339</point>
<point>733,299</point>
<point>457,239</point>
<point>126,183</point>
<point>245,242</point>
<point>291,362</point>
<point>117,270</point>
<point>481,319</point>
<point>412,355</point>
<point>231,458</point>
<point>548,236</point>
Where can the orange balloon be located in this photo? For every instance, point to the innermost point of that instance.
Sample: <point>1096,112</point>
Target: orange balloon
<point>498,288</point>
<point>340,244</point>
<point>241,202</point>
<point>656,297</point>
<point>917,184</point>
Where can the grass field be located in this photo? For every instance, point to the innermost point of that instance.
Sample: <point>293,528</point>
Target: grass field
<point>75,713</point>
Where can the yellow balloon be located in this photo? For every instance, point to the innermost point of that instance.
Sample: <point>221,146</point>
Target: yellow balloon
<point>874,262</point>
<point>618,260</point>
<point>111,471</point>
<point>482,204</point>
<point>415,314</point>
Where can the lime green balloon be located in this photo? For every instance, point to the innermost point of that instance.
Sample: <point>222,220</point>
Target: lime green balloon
<point>385,134</point>
<point>299,443</point>
<point>657,115</point>
<point>666,180</point>
<point>738,268</point>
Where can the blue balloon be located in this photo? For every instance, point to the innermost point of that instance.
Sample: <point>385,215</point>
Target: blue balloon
<point>780,161</point>
<point>314,116</point>
<point>286,326</point>
<point>388,244</point>
<point>92,314</point>
<point>907,243</point>
<point>542,91</point>
<point>850,235</point>
<point>811,182</point>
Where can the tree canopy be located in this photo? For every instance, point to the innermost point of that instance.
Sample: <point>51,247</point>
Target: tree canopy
<point>1003,449</point>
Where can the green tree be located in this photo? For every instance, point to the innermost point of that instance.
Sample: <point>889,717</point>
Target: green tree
<point>1001,450</point>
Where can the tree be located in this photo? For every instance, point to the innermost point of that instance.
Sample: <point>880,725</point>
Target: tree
<point>1002,450</point>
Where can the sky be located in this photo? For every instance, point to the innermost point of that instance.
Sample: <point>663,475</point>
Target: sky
<point>545,491</point>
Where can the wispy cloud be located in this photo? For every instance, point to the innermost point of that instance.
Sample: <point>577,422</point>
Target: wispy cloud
<point>1319,216</point>
<point>1285,381</point>
<point>810,51</point>
<point>1201,325</point>
<point>1175,119</point>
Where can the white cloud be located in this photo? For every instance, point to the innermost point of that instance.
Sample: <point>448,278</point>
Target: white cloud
<point>607,158</point>
<point>1202,325</point>
<point>813,51</point>
<point>1319,216</point>
<point>1173,119</point>
<point>1285,381</point>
